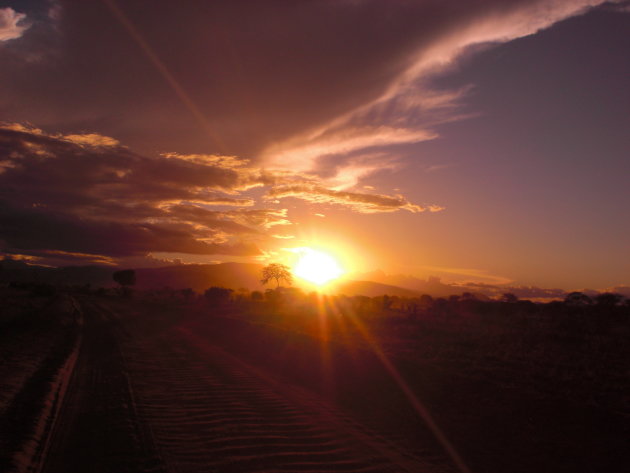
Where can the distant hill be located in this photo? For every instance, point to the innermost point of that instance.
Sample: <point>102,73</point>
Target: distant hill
<point>433,286</point>
<point>19,271</point>
<point>196,276</point>
<point>372,289</point>
<point>201,276</point>
<point>436,288</point>
<point>247,275</point>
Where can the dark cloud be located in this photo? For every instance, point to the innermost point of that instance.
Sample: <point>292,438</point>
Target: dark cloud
<point>36,166</point>
<point>26,229</point>
<point>239,76</point>
<point>86,194</point>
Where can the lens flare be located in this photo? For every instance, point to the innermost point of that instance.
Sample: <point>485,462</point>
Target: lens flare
<point>316,266</point>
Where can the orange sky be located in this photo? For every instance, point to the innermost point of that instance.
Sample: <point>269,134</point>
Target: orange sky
<point>475,141</point>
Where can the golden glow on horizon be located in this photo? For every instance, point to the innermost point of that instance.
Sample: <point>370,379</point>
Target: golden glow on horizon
<point>316,266</point>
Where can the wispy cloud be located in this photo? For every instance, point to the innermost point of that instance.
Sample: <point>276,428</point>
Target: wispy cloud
<point>344,96</point>
<point>229,201</point>
<point>359,201</point>
<point>84,139</point>
<point>12,25</point>
<point>59,258</point>
<point>92,139</point>
<point>304,151</point>
<point>408,110</point>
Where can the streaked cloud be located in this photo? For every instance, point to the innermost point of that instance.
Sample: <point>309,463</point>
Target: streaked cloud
<point>92,139</point>
<point>359,201</point>
<point>347,94</point>
<point>408,110</point>
<point>229,201</point>
<point>59,258</point>
<point>304,151</point>
<point>85,139</point>
<point>227,162</point>
<point>266,218</point>
<point>284,237</point>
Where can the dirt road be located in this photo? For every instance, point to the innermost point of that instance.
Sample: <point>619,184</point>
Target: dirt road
<point>151,397</point>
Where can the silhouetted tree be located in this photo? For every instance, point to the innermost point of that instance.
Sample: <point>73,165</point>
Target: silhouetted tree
<point>361,303</point>
<point>217,295</point>
<point>509,298</point>
<point>126,278</point>
<point>468,296</point>
<point>577,299</point>
<point>440,306</point>
<point>608,299</point>
<point>426,301</point>
<point>273,298</point>
<point>277,271</point>
<point>187,293</point>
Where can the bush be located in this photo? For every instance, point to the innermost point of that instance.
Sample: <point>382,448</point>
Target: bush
<point>217,295</point>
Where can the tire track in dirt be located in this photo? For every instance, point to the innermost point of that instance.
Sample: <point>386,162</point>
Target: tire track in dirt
<point>210,412</point>
<point>27,423</point>
<point>97,429</point>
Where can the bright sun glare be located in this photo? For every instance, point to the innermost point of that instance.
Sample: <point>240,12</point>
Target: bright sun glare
<point>316,266</point>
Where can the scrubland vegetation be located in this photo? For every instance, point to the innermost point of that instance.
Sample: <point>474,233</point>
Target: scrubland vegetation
<point>544,383</point>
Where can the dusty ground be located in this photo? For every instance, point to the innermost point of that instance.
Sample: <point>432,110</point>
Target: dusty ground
<point>122,386</point>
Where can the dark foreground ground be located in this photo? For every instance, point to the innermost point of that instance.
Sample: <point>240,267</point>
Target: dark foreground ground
<point>95,384</point>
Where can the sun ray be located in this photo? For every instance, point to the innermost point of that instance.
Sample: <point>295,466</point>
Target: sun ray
<point>412,398</point>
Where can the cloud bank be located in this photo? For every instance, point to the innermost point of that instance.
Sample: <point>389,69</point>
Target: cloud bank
<point>87,197</point>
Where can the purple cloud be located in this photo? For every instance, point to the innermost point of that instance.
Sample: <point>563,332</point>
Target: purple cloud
<point>85,196</point>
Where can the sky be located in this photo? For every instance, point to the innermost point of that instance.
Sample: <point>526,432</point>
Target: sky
<point>483,141</point>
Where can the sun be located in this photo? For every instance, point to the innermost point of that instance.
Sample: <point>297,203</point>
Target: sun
<point>316,266</point>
